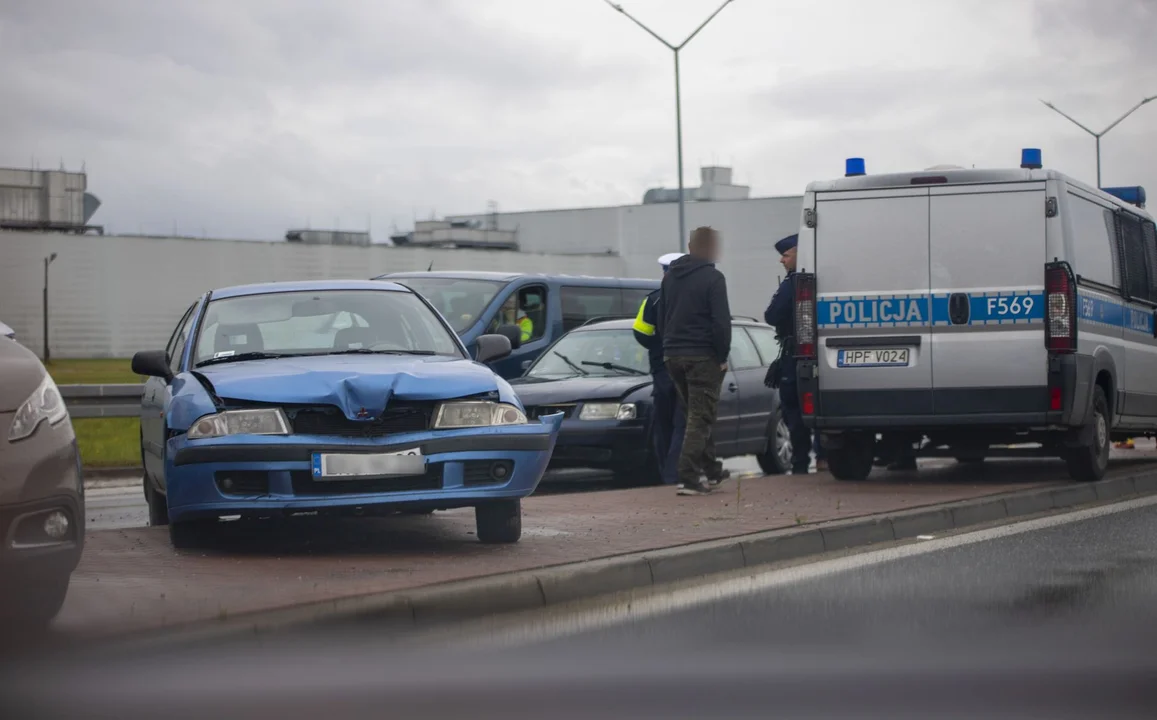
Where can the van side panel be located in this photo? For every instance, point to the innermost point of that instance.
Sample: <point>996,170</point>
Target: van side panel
<point>871,265</point>
<point>987,248</point>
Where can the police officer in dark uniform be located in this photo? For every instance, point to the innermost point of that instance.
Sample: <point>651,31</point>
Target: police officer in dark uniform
<point>669,422</point>
<point>780,314</point>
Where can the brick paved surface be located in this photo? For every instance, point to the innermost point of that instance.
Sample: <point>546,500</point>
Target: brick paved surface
<point>132,579</point>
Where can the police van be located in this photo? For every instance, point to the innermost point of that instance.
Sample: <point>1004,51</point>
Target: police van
<point>978,313</point>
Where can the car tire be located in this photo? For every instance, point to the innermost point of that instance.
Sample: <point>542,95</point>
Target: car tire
<point>499,521</point>
<point>852,461</point>
<point>1088,463</point>
<point>31,607</point>
<point>190,534</point>
<point>776,460</point>
<point>158,505</point>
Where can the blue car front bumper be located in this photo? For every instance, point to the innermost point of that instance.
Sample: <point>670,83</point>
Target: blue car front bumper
<point>247,475</point>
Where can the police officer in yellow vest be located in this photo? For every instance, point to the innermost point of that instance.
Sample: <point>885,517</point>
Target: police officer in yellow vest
<point>668,422</point>
<point>511,314</point>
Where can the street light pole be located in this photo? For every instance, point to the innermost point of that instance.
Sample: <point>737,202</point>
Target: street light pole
<point>1101,134</point>
<point>47,261</point>
<point>678,102</point>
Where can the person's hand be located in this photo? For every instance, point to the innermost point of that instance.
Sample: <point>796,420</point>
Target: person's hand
<point>723,367</point>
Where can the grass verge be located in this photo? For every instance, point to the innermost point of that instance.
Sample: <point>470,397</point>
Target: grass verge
<point>104,442</point>
<point>109,442</point>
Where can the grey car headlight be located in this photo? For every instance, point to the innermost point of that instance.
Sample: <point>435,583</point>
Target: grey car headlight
<point>608,411</point>
<point>263,421</point>
<point>477,413</point>
<point>44,405</point>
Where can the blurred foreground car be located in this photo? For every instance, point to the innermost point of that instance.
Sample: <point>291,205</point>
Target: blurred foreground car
<point>41,491</point>
<point>599,378</point>
<point>331,396</point>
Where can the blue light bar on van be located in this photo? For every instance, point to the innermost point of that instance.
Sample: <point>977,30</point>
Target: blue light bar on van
<point>1030,158</point>
<point>854,167</point>
<point>1132,195</point>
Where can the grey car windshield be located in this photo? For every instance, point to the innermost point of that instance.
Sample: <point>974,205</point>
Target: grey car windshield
<point>601,353</point>
<point>318,322</point>
<point>460,300</point>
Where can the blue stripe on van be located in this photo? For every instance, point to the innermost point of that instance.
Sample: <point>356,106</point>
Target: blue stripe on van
<point>1008,307</point>
<point>1113,313</point>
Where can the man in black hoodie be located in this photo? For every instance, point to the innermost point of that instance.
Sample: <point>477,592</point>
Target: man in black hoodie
<point>695,324</point>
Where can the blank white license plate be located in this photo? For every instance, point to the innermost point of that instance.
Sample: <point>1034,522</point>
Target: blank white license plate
<point>341,466</point>
<point>874,357</point>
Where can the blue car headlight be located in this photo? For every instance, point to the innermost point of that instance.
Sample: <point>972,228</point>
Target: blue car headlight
<point>262,421</point>
<point>477,413</point>
<point>608,411</point>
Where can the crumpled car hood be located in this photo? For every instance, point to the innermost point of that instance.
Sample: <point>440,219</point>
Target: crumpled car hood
<point>350,382</point>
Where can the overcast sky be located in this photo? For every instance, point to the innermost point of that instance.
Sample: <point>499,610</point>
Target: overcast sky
<point>242,118</point>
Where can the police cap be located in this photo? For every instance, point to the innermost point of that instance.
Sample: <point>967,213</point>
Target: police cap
<point>669,258</point>
<point>786,244</point>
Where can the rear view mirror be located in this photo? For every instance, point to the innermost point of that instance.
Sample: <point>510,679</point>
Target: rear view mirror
<point>513,333</point>
<point>492,347</point>
<point>152,363</point>
<point>315,307</point>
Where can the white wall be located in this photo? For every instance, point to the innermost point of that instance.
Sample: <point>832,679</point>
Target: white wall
<point>111,296</point>
<point>641,233</point>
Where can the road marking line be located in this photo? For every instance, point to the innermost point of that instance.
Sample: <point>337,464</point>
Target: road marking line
<point>553,623</point>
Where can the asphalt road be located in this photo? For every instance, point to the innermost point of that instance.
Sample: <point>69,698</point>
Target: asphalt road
<point>1052,618</point>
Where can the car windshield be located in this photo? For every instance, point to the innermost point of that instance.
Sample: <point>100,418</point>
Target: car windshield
<point>461,301</point>
<point>601,353</point>
<point>320,322</point>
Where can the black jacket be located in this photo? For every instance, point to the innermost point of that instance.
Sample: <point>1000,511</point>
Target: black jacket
<point>780,314</point>
<point>694,317</point>
<point>646,331</point>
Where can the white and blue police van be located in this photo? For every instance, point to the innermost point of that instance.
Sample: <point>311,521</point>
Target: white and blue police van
<point>976,313</point>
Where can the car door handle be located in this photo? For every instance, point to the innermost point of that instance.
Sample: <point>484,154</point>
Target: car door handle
<point>732,387</point>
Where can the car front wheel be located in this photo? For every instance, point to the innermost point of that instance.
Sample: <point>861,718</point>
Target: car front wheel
<point>776,460</point>
<point>499,521</point>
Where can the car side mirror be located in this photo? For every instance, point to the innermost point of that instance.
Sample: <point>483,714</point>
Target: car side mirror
<point>513,333</point>
<point>152,363</point>
<point>492,347</point>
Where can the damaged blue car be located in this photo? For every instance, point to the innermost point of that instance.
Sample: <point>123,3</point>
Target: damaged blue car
<point>331,396</point>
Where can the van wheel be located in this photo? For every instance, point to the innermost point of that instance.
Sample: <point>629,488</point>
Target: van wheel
<point>158,505</point>
<point>852,461</point>
<point>776,460</point>
<point>1088,463</point>
<point>498,521</point>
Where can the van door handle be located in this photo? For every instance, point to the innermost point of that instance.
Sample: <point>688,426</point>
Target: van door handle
<point>732,387</point>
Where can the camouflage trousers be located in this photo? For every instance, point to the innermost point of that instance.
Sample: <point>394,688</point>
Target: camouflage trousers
<point>698,381</point>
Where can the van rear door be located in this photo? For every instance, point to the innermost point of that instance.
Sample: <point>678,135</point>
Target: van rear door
<point>987,258</point>
<point>873,312</point>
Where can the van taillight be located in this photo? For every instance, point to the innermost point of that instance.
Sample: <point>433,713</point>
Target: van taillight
<point>805,316</point>
<point>1060,308</point>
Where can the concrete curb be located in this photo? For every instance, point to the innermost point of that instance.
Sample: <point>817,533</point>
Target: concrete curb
<point>533,589</point>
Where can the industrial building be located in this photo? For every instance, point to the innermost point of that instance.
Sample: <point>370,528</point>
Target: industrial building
<point>46,200</point>
<point>638,234</point>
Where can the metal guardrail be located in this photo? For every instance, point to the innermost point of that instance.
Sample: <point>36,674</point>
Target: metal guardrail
<point>102,401</point>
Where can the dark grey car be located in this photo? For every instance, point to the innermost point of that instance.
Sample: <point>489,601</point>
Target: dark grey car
<point>41,491</point>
